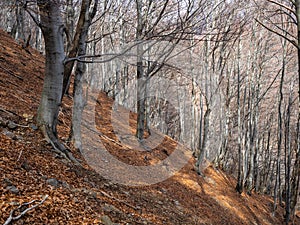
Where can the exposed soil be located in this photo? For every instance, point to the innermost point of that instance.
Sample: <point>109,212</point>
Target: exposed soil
<point>30,170</point>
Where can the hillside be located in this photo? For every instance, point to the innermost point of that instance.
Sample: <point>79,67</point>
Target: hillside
<point>30,170</point>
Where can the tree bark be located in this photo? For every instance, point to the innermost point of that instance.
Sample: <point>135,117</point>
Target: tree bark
<point>52,29</point>
<point>141,79</point>
<point>79,100</point>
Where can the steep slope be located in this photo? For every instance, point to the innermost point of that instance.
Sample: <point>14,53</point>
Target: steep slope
<point>30,170</point>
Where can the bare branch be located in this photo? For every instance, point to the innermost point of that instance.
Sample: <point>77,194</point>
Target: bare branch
<point>12,218</point>
<point>283,6</point>
<point>279,34</point>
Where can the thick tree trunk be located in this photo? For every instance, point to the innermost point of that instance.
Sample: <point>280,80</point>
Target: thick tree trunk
<point>52,28</point>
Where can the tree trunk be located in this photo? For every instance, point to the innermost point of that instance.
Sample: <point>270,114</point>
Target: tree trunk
<point>79,100</point>
<point>141,79</point>
<point>279,141</point>
<point>240,180</point>
<point>74,47</point>
<point>52,29</point>
<point>288,162</point>
<point>203,151</point>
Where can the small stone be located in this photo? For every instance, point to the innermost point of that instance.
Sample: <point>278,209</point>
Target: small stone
<point>3,122</point>
<point>13,189</point>
<point>33,127</point>
<point>17,138</point>
<point>76,200</point>
<point>163,190</point>
<point>53,182</point>
<point>106,220</point>
<point>25,166</point>
<point>8,134</point>
<point>44,177</point>
<point>65,184</point>
<point>11,125</point>
<point>176,202</point>
<point>110,208</point>
<point>7,182</point>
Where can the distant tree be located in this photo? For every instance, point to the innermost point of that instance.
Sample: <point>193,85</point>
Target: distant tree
<point>285,24</point>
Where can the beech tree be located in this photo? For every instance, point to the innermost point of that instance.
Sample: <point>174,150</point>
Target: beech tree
<point>245,106</point>
<point>287,28</point>
<point>52,24</point>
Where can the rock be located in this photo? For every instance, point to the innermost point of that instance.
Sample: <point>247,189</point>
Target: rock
<point>7,182</point>
<point>33,127</point>
<point>65,184</point>
<point>53,182</point>
<point>18,138</point>
<point>11,125</point>
<point>3,122</point>
<point>76,200</point>
<point>13,189</point>
<point>106,220</point>
<point>25,166</point>
<point>43,177</point>
<point>8,134</point>
<point>110,208</point>
<point>176,203</point>
<point>163,190</point>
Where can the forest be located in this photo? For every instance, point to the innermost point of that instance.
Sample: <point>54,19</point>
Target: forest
<point>220,77</point>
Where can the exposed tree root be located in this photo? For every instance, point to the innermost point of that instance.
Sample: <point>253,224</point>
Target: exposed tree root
<point>58,147</point>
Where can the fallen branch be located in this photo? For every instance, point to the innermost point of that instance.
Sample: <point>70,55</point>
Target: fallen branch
<point>118,200</point>
<point>13,218</point>
<point>104,136</point>
<point>11,73</point>
<point>8,112</point>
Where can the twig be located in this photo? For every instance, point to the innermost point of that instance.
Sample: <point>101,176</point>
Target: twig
<point>118,200</point>
<point>20,125</point>
<point>7,111</point>
<point>20,155</point>
<point>13,218</point>
<point>11,73</point>
<point>104,136</point>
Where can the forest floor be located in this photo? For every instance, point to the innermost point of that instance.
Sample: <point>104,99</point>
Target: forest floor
<point>30,170</point>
